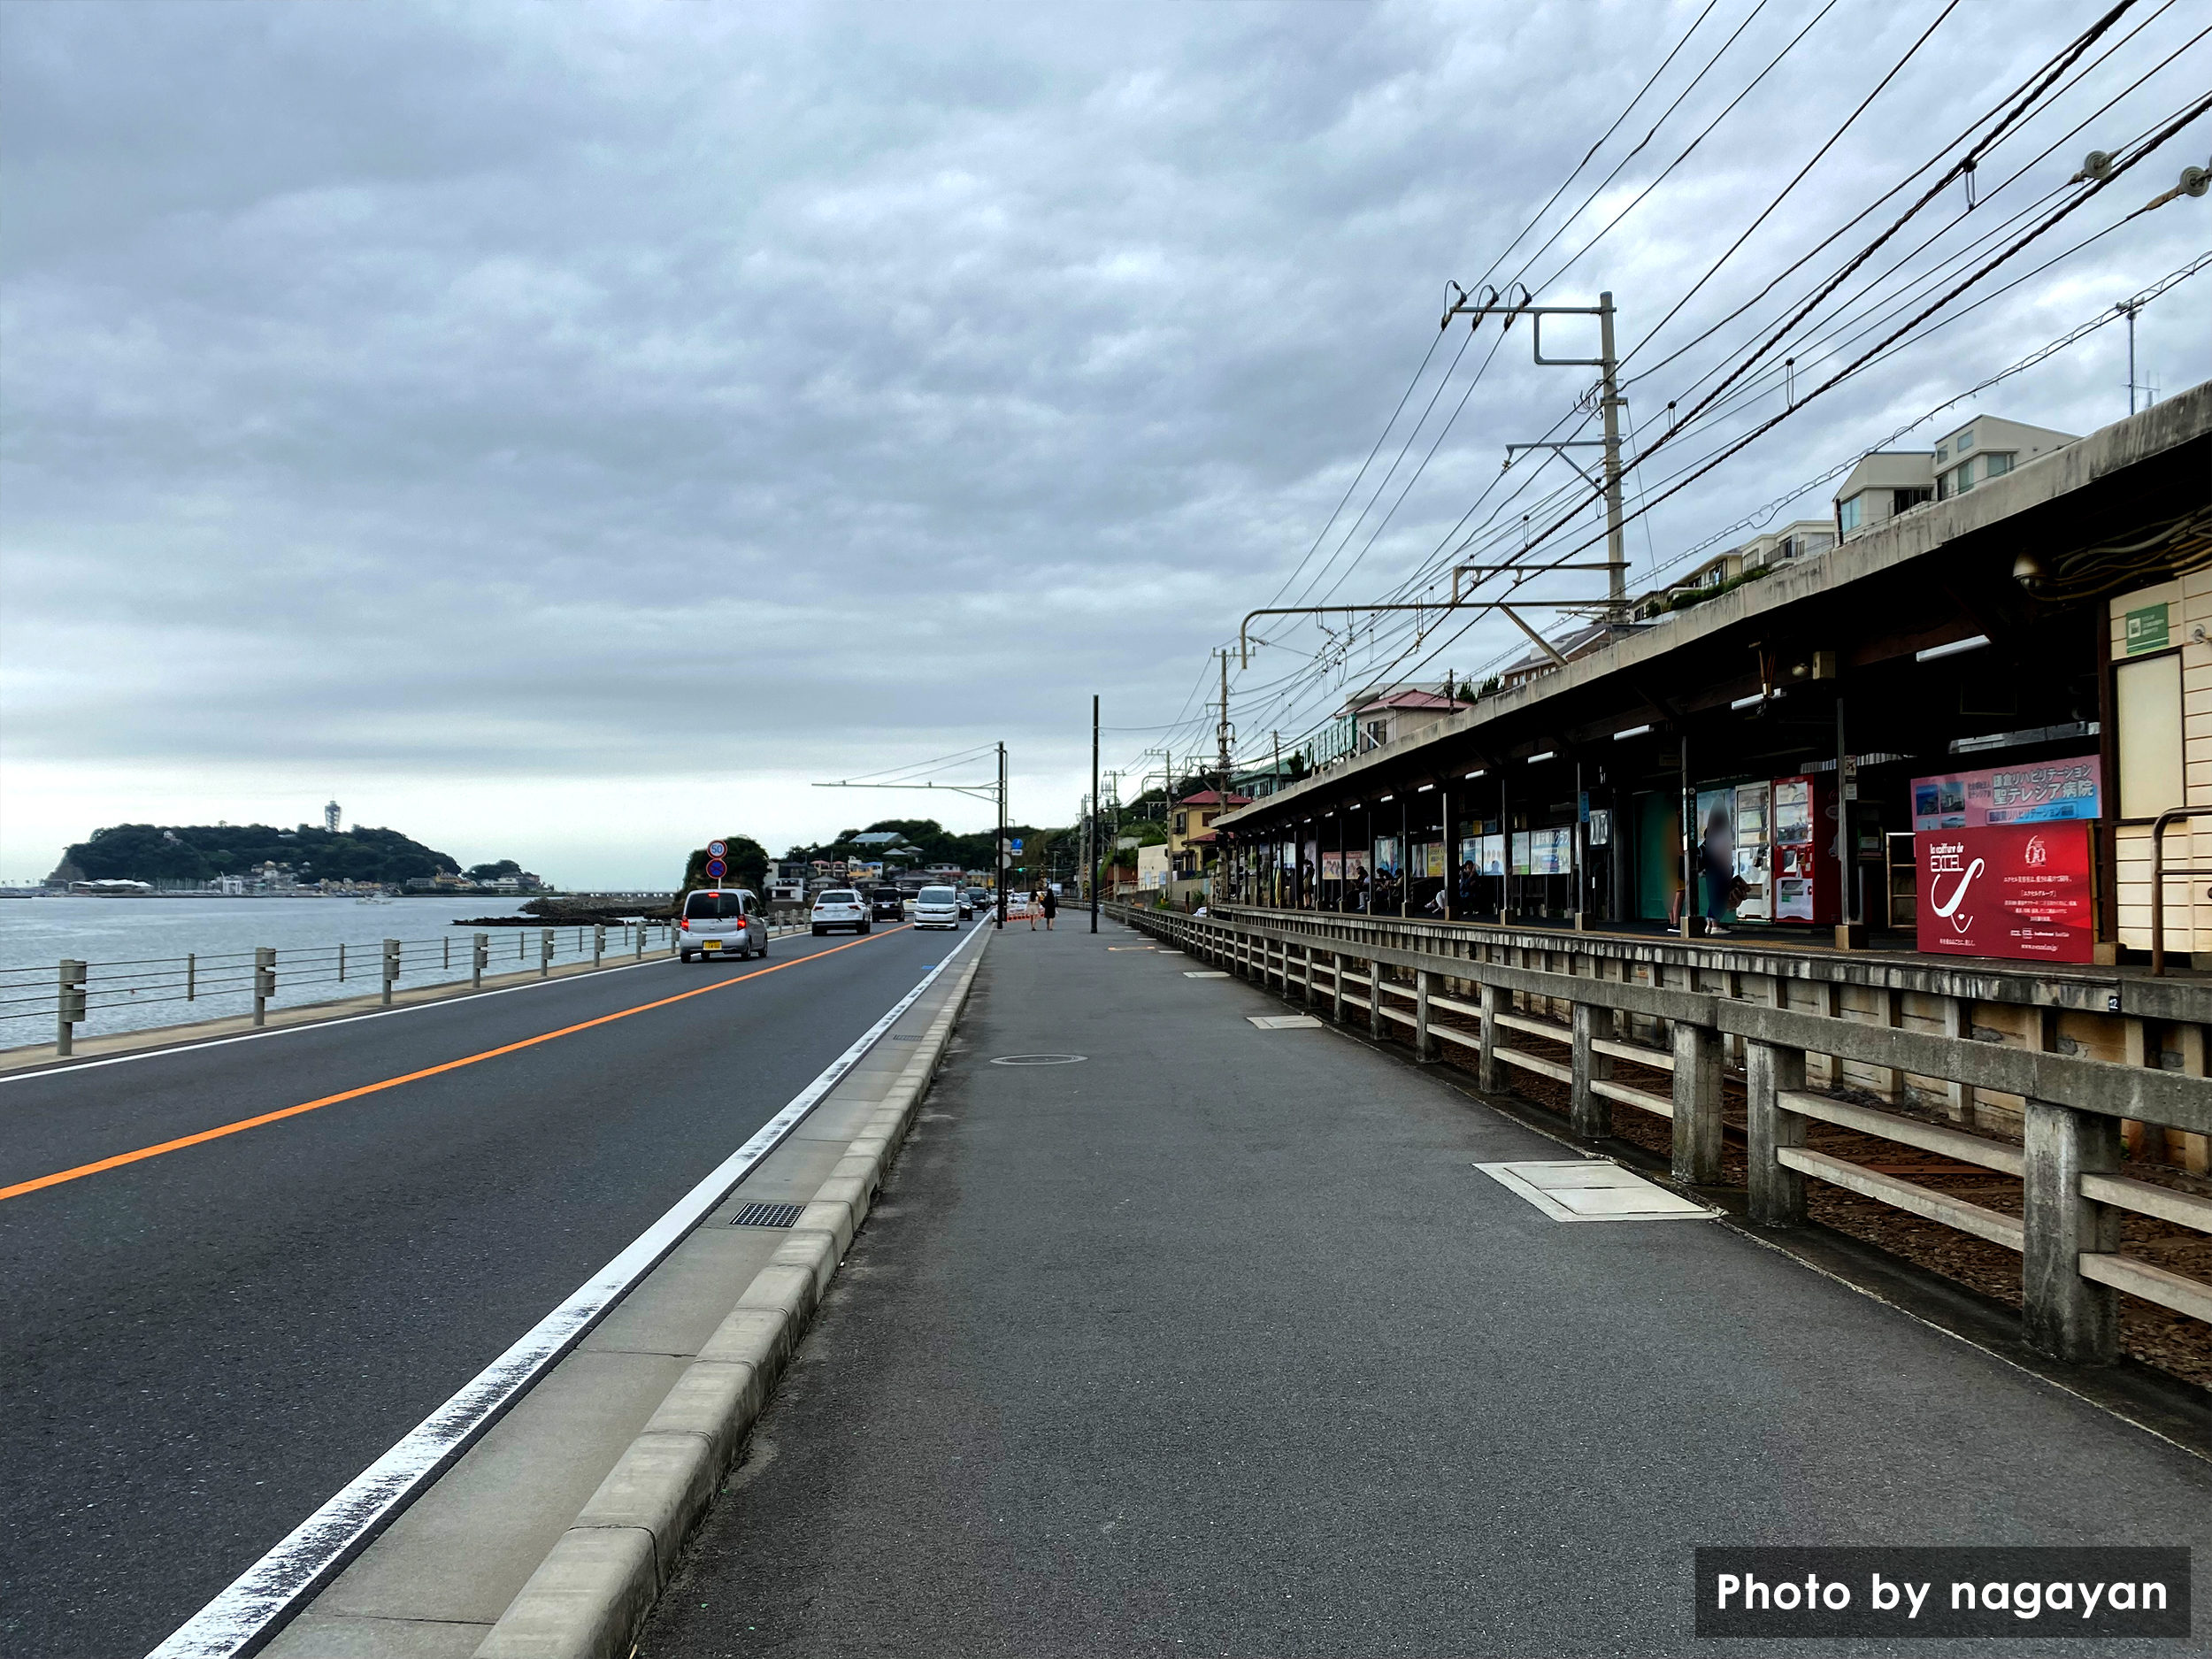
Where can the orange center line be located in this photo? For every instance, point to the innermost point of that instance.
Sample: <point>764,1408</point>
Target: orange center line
<point>182,1141</point>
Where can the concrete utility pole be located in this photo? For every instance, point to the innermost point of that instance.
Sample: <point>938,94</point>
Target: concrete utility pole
<point>1001,872</point>
<point>1090,824</point>
<point>1488,302</point>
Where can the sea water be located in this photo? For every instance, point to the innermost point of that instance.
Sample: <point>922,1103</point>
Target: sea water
<point>137,940</point>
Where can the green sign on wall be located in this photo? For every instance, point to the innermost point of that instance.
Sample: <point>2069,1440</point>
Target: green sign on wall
<point>2147,629</point>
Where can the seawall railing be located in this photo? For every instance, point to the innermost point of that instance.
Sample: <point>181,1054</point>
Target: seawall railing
<point>217,984</point>
<point>1807,1035</point>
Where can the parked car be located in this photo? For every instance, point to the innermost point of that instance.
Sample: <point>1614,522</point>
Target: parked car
<point>838,907</point>
<point>936,907</point>
<point>886,904</point>
<point>728,923</point>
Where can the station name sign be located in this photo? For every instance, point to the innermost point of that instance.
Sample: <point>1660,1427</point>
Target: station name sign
<point>2016,890</point>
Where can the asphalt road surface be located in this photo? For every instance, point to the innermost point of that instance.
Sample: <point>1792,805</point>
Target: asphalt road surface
<point>202,1346</point>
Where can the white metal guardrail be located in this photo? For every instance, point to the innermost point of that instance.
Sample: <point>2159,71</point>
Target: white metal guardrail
<point>2067,1160</point>
<point>77,992</point>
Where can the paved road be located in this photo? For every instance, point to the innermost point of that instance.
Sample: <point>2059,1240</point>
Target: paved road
<point>1216,1343</point>
<point>202,1347</point>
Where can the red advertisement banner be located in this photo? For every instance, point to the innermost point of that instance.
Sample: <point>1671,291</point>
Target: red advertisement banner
<point>2017,890</point>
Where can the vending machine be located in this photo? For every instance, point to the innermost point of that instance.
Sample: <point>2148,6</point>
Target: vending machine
<point>1754,852</point>
<point>1803,837</point>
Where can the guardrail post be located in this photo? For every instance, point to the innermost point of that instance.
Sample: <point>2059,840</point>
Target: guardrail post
<point>1778,1192</point>
<point>1375,1026</point>
<point>2062,1312</point>
<point>1696,1104</point>
<point>545,952</point>
<point>342,962</point>
<point>68,1005</point>
<point>1592,1112</point>
<point>191,975</point>
<point>264,981</point>
<point>1424,1044</point>
<point>1305,966</point>
<point>598,942</point>
<point>480,953</point>
<point>1486,1050</point>
<point>641,938</point>
<point>391,968</point>
<point>1336,986</point>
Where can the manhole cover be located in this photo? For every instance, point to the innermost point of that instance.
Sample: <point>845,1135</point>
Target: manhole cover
<point>1038,1059</point>
<point>768,1215</point>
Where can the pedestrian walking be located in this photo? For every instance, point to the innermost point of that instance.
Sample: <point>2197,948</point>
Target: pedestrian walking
<point>1036,904</point>
<point>1051,901</point>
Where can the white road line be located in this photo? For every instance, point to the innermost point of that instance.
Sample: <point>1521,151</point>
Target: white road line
<point>186,1045</point>
<point>258,1602</point>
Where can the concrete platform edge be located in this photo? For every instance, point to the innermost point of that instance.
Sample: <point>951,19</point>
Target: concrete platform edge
<point>589,1600</point>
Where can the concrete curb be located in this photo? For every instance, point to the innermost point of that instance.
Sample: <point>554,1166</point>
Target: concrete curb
<point>592,1592</point>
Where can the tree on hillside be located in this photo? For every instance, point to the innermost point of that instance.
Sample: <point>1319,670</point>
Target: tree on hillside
<point>747,861</point>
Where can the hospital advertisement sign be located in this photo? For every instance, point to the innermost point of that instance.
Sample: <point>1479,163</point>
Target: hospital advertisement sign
<point>2017,890</point>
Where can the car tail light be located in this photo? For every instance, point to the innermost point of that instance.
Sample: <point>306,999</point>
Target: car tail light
<point>687,923</point>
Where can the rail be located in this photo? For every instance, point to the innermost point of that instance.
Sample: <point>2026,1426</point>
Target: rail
<point>2159,872</point>
<point>79,992</point>
<point>2073,1106</point>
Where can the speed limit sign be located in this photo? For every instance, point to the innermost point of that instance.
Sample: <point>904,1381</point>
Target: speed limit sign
<point>716,850</point>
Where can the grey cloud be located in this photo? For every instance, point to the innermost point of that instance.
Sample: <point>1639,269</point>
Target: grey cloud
<point>393,379</point>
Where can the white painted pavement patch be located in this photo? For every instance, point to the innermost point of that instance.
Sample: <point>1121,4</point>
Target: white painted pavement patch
<point>1284,1022</point>
<point>1593,1190</point>
<point>1205,973</point>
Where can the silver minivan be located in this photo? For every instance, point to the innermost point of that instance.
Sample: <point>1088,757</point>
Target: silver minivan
<point>725,923</point>
<point>937,906</point>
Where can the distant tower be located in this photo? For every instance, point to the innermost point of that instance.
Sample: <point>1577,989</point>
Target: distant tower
<point>330,818</point>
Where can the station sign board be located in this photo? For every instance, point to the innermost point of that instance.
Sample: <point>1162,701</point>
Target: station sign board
<point>2015,890</point>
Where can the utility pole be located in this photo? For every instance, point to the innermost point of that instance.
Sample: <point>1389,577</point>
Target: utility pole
<point>1488,302</point>
<point>2128,308</point>
<point>1090,824</point>
<point>1221,764</point>
<point>1001,872</point>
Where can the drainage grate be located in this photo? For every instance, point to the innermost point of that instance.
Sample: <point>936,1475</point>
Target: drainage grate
<point>768,1215</point>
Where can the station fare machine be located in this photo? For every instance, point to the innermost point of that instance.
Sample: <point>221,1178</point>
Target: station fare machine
<point>1803,830</point>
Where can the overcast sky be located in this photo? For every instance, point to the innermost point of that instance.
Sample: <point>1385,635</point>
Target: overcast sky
<point>566,432</point>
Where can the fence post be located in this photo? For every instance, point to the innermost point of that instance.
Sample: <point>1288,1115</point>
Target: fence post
<point>391,968</point>
<point>1486,1053</point>
<point>342,962</point>
<point>2063,1313</point>
<point>191,975</point>
<point>641,938</point>
<point>264,981</point>
<point>1778,1192</point>
<point>1424,1044</point>
<point>1375,1027</point>
<point>598,942</point>
<point>480,952</point>
<point>1336,986</point>
<point>545,952</point>
<point>1696,1104</point>
<point>1593,1113</point>
<point>68,1005</point>
<point>1305,965</point>
<point>445,961</point>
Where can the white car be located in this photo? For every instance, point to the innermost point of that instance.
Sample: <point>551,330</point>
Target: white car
<point>725,923</point>
<point>937,906</point>
<point>839,907</point>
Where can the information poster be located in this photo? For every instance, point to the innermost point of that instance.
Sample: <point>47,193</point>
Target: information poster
<point>1386,855</point>
<point>2016,890</point>
<point>1432,865</point>
<point>1332,866</point>
<point>1544,852</point>
<point>2047,791</point>
<point>1486,852</point>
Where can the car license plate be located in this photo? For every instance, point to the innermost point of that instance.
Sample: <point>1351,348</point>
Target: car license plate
<point>710,944</point>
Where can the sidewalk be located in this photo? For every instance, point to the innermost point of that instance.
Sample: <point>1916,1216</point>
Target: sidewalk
<point>1215,1341</point>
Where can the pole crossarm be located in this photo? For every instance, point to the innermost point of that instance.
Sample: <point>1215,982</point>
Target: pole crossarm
<point>1244,643</point>
<point>981,791</point>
